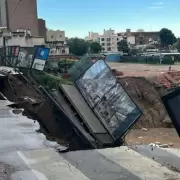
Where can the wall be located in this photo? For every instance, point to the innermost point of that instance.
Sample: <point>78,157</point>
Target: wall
<point>24,16</point>
<point>42,27</point>
<point>108,40</point>
<point>131,40</point>
<point>55,36</point>
<point>3,15</point>
<point>59,51</point>
<point>23,41</point>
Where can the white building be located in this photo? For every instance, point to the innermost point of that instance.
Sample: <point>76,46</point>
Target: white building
<point>56,41</point>
<point>109,40</point>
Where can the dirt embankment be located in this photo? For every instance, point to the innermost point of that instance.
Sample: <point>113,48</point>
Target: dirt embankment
<point>148,99</point>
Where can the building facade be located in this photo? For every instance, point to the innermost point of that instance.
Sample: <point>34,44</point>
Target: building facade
<point>141,37</point>
<point>42,27</point>
<point>108,40</point>
<point>22,39</point>
<point>19,14</point>
<point>56,41</point>
<point>55,36</point>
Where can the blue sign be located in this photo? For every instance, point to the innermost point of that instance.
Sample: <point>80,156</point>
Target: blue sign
<point>42,53</point>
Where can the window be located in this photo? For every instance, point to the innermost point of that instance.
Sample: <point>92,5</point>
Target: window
<point>102,44</point>
<point>108,39</point>
<point>108,44</point>
<point>102,39</point>
<point>108,49</point>
<point>117,39</point>
<point>51,36</point>
<point>60,36</point>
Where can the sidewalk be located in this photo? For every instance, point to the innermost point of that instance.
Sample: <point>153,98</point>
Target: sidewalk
<point>27,155</point>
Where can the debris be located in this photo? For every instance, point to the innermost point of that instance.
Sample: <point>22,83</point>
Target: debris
<point>144,129</point>
<point>171,144</point>
<point>62,149</point>
<point>163,146</point>
<point>17,111</point>
<point>157,143</point>
<point>153,145</point>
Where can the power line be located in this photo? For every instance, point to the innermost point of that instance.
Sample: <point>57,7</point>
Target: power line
<point>14,11</point>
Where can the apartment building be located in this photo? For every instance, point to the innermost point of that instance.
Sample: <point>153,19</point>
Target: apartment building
<point>56,41</point>
<point>140,37</point>
<point>19,14</point>
<point>108,40</point>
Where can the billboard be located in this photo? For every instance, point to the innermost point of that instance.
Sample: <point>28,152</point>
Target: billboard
<point>108,99</point>
<point>25,57</point>
<point>40,58</point>
<point>11,53</point>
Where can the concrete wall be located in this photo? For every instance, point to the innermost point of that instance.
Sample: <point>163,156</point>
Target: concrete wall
<point>131,40</point>
<point>55,36</point>
<point>3,15</point>
<point>22,41</point>
<point>59,51</point>
<point>23,15</point>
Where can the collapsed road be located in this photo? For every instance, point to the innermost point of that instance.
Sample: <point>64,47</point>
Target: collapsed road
<point>26,154</point>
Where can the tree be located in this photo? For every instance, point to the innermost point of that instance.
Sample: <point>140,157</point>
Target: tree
<point>95,47</point>
<point>176,45</point>
<point>166,37</point>
<point>123,46</point>
<point>77,46</point>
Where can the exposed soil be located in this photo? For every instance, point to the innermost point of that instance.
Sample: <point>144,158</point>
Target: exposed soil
<point>162,135</point>
<point>146,96</point>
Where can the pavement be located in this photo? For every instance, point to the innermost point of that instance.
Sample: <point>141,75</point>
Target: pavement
<point>25,154</point>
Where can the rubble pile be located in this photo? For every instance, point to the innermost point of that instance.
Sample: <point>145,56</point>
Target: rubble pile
<point>169,80</point>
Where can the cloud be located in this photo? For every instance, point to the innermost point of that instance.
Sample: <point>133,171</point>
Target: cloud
<point>156,7</point>
<point>158,3</point>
